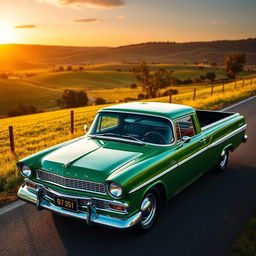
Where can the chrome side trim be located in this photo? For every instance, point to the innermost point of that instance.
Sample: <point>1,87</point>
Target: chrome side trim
<point>190,157</point>
<point>119,223</point>
<point>220,121</point>
<point>216,143</point>
<point>154,178</point>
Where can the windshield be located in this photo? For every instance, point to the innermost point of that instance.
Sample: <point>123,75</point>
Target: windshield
<point>137,127</point>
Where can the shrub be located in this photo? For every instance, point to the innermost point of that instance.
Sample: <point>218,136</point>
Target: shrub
<point>100,101</point>
<point>133,86</point>
<point>4,76</point>
<point>141,96</point>
<point>72,99</point>
<point>167,92</point>
<point>23,110</point>
<point>69,68</point>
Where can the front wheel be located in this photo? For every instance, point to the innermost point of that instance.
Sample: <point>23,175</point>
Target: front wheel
<point>223,161</point>
<point>149,208</point>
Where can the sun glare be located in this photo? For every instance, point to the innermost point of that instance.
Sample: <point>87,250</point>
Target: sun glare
<point>6,34</point>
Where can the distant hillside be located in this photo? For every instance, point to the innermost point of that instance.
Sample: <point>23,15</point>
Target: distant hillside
<point>15,56</point>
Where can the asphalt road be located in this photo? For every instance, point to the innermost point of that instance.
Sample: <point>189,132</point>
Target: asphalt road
<point>204,219</point>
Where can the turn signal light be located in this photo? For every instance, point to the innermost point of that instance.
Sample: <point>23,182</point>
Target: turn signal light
<point>117,207</point>
<point>30,185</point>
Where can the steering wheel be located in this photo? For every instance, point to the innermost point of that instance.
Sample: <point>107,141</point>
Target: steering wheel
<point>154,137</point>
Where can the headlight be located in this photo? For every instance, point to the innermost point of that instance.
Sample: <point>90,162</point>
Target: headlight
<point>25,171</point>
<point>115,190</point>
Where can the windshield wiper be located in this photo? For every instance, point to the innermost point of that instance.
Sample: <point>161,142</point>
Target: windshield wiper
<point>120,136</point>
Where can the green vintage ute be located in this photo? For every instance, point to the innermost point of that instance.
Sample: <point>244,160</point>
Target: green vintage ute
<point>134,156</point>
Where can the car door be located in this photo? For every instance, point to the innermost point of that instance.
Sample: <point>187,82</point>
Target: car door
<point>190,156</point>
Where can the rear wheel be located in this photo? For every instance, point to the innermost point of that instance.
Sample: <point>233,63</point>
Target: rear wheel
<point>149,208</point>
<point>223,161</point>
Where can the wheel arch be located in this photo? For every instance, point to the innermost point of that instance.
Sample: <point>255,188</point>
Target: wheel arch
<point>229,147</point>
<point>160,186</point>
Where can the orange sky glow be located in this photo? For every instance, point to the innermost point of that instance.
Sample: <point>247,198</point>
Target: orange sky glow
<point>121,22</point>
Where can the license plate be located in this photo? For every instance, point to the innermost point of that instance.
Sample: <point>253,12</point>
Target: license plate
<point>66,203</point>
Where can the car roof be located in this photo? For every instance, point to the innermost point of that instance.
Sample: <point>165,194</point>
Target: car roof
<point>168,110</point>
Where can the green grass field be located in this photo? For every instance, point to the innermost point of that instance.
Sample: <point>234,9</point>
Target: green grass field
<point>15,92</point>
<point>84,80</point>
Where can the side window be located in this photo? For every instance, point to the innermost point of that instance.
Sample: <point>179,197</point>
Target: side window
<point>108,122</point>
<point>185,127</point>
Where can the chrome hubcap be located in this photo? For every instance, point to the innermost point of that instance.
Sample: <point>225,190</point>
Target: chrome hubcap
<point>148,208</point>
<point>223,159</point>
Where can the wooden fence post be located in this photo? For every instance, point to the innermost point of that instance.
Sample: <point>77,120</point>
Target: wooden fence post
<point>212,91</point>
<point>223,88</point>
<point>12,146</point>
<point>72,121</point>
<point>170,96</point>
<point>194,96</point>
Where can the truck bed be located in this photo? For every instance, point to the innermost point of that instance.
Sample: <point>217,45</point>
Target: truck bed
<point>207,118</point>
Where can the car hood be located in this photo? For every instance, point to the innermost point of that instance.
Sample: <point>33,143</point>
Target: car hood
<point>93,159</point>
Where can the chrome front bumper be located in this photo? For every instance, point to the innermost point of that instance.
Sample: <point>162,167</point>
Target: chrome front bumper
<point>91,216</point>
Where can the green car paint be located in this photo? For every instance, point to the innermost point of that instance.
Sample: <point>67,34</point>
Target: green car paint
<point>136,166</point>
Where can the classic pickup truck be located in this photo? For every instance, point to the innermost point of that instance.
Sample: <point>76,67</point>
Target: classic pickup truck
<point>134,156</point>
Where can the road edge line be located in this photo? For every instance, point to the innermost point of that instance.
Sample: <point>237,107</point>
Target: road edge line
<point>11,207</point>
<point>239,103</point>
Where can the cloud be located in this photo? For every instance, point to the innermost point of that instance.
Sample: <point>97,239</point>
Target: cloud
<point>91,3</point>
<point>219,22</point>
<point>86,20</point>
<point>26,26</point>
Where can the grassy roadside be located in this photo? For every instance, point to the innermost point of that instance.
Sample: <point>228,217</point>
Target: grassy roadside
<point>36,132</point>
<point>245,245</point>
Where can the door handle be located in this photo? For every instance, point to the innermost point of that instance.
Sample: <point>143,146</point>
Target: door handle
<point>202,140</point>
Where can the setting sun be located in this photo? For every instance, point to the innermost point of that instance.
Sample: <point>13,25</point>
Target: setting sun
<point>6,34</point>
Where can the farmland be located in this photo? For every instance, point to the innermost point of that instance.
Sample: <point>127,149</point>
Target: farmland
<point>36,132</point>
<point>110,81</point>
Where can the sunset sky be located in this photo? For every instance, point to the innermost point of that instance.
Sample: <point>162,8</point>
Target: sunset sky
<point>121,22</point>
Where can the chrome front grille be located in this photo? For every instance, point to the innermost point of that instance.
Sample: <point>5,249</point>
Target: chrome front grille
<point>71,183</point>
<point>99,204</point>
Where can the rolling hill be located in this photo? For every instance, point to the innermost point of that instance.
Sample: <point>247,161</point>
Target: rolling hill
<point>15,56</point>
<point>16,92</point>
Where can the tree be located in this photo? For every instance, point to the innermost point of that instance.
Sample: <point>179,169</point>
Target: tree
<point>234,64</point>
<point>152,82</point>
<point>72,98</point>
<point>211,76</point>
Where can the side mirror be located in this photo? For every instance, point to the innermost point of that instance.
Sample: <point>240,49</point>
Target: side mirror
<point>86,128</point>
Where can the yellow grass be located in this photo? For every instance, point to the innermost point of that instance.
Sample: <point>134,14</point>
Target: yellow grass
<point>36,132</point>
